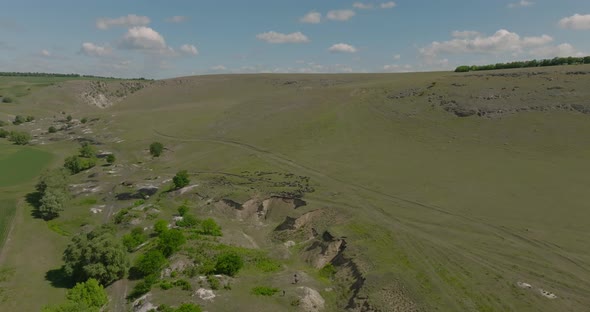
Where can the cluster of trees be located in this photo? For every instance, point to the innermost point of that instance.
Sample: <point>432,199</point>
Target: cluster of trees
<point>19,119</point>
<point>88,296</point>
<point>85,159</point>
<point>525,64</point>
<point>17,137</point>
<point>36,74</point>
<point>53,193</point>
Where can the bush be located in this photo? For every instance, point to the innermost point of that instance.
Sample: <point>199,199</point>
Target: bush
<point>165,285</point>
<point>188,307</point>
<point>19,119</point>
<point>181,179</point>
<point>2,123</point>
<point>182,210</point>
<point>170,241</point>
<point>213,282</point>
<point>142,287</point>
<point>52,129</point>
<point>19,138</point>
<point>30,118</point>
<point>328,271</point>
<point>111,159</point>
<point>84,120</point>
<point>156,149</point>
<point>160,226</point>
<point>91,293</point>
<point>188,221</point>
<point>69,118</point>
<point>4,133</point>
<point>78,164</point>
<point>87,150</point>
<point>7,99</point>
<point>150,263</point>
<point>134,239</point>
<point>183,284</point>
<point>462,69</point>
<point>229,264</point>
<point>264,291</point>
<point>210,227</point>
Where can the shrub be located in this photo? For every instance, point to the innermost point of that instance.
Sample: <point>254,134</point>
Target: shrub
<point>170,241</point>
<point>111,159</point>
<point>328,271</point>
<point>182,210</point>
<point>142,287</point>
<point>69,118</point>
<point>19,138</point>
<point>183,284</point>
<point>30,118</point>
<point>7,99</point>
<point>134,239</point>
<point>91,293</point>
<point>52,129</point>
<point>264,291</point>
<point>150,263</point>
<point>213,282</point>
<point>4,133</point>
<point>165,285</point>
<point>2,123</point>
<point>84,120</point>
<point>181,179</point>
<point>156,149</point>
<point>229,264</point>
<point>160,226</point>
<point>462,69</point>
<point>78,164</point>
<point>19,119</point>
<point>188,221</point>
<point>210,227</point>
<point>189,307</point>
<point>87,150</point>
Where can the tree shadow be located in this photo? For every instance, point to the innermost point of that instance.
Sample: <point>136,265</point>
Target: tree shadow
<point>59,279</point>
<point>34,199</point>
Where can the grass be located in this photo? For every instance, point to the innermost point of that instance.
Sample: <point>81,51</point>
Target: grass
<point>7,211</point>
<point>22,165</point>
<point>436,210</point>
<point>264,291</point>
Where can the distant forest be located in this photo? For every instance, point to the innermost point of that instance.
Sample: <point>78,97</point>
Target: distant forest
<point>524,64</point>
<point>19,74</point>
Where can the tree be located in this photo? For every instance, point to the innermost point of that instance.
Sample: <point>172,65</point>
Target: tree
<point>150,262</point>
<point>229,264</point>
<point>52,129</point>
<point>19,138</point>
<point>210,227</point>
<point>181,179</point>
<point>87,150</point>
<point>134,239</point>
<point>111,159</point>
<point>98,254</point>
<point>182,210</point>
<point>4,133</point>
<point>91,293</point>
<point>170,241</point>
<point>77,164</point>
<point>156,149</point>
<point>52,203</point>
<point>160,226</point>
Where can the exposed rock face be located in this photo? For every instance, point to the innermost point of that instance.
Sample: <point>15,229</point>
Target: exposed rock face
<point>310,300</point>
<point>324,250</point>
<point>257,209</point>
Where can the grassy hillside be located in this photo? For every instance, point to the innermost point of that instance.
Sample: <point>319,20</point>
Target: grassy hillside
<point>449,189</point>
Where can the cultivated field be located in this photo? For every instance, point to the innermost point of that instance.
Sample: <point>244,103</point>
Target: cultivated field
<point>440,191</point>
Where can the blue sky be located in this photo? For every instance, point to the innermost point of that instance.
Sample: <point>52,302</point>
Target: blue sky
<point>159,39</point>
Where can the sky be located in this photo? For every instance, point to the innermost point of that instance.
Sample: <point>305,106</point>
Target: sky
<point>161,39</point>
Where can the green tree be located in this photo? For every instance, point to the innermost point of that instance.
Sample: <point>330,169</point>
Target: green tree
<point>111,159</point>
<point>52,203</point>
<point>53,179</point>
<point>90,293</point>
<point>160,226</point>
<point>170,242</point>
<point>98,254</point>
<point>156,149</point>
<point>77,164</point>
<point>19,138</point>
<point>210,227</point>
<point>182,210</point>
<point>229,264</point>
<point>87,150</point>
<point>181,179</point>
<point>134,239</point>
<point>150,262</point>
<point>51,129</point>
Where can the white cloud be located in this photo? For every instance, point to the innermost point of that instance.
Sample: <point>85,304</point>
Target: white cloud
<point>219,68</point>
<point>562,50</point>
<point>123,21</point>
<point>189,49</point>
<point>275,37</point>
<point>397,68</point>
<point>340,15</point>
<point>388,5</point>
<point>397,57</point>
<point>342,48</point>
<point>143,38</point>
<point>91,49</point>
<point>363,6</point>
<point>311,18</point>
<point>576,22</point>
<point>177,19</point>
<point>45,53</point>
<point>520,4</point>
<point>502,41</point>
<point>465,34</point>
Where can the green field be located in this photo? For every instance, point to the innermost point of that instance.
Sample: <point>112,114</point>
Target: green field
<point>22,165</point>
<point>449,189</point>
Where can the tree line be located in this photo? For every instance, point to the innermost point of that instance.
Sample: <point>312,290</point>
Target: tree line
<point>38,74</point>
<point>526,64</point>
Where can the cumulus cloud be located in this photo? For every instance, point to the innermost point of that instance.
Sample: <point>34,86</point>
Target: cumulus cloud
<point>219,68</point>
<point>397,68</point>
<point>388,5</point>
<point>91,49</point>
<point>123,21</point>
<point>311,18</point>
<point>177,19</point>
<point>45,53</point>
<point>276,37</point>
<point>500,42</point>
<point>340,15</point>
<point>362,6</point>
<point>189,49</point>
<point>576,22</point>
<point>465,34</point>
<point>342,48</point>
<point>143,38</point>
<point>520,4</point>
<point>562,50</point>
